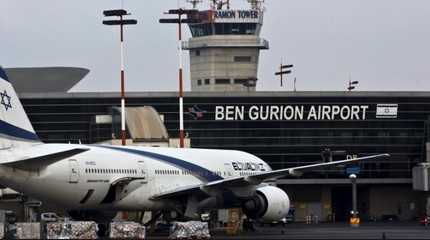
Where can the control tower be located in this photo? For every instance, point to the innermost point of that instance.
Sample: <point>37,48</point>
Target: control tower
<point>225,47</point>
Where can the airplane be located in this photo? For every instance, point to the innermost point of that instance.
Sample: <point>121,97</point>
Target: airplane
<point>93,182</point>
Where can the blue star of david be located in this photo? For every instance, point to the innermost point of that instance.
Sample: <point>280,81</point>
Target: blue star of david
<point>5,100</point>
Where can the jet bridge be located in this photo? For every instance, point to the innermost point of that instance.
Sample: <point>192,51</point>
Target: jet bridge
<point>145,127</point>
<point>144,123</point>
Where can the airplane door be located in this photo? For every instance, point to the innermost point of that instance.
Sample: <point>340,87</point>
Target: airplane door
<point>73,171</point>
<point>228,170</point>
<point>142,171</point>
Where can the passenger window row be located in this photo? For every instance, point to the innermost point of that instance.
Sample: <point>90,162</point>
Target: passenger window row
<point>185,172</point>
<point>111,171</point>
<point>247,173</point>
<point>167,172</point>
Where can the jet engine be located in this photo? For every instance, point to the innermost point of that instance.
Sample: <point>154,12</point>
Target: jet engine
<point>269,204</point>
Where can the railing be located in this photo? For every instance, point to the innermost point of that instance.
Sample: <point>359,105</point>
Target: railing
<point>228,42</point>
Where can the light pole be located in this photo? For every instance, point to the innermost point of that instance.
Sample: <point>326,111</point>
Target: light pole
<point>283,70</point>
<point>354,220</point>
<point>352,85</point>
<point>179,21</point>
<point>121,22</point>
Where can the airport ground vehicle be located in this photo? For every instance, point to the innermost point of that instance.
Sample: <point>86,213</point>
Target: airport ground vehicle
<point>49,217</point>
<point>424,220</point>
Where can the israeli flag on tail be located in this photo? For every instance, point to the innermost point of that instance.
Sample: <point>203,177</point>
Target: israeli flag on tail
<point>15,127</point>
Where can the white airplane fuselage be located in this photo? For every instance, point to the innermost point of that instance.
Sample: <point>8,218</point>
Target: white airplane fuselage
<point>151,171</point>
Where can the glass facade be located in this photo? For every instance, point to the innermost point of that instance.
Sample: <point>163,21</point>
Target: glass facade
<point>284,130</point>
<point>208,29</point>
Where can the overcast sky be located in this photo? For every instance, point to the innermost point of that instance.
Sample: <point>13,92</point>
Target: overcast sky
<point>384,44</point>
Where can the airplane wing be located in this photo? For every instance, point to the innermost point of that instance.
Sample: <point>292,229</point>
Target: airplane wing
<point>41,157</point>
<point>295,171</point>
<point>260,177</point>
<point>178,192</point>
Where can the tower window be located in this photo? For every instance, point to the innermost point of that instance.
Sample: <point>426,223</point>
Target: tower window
<point>242,59</point>
<point>197,52</point>
<point>199,82</point>
<point>222,81</point>
<point>240,81</point>
<point>207,81</point>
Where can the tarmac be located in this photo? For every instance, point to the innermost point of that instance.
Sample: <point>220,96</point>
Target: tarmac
<point>389,230</point>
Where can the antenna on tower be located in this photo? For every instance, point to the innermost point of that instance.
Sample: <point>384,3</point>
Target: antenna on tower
<point>256,4</point>
<point>194,2</point>
<point>219,4</point>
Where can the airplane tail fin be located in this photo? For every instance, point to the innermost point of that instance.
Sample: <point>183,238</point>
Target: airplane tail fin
<point>15,127</point>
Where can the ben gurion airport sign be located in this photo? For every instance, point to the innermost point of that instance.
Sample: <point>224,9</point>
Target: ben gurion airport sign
<point>302,112</point>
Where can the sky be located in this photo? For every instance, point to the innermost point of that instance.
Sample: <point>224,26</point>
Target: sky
<point>383,44</point>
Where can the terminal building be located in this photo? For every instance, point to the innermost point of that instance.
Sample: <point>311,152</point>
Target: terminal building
<point>285,129</point>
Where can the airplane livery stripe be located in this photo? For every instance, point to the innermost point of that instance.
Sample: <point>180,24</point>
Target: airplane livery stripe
<point>16,132</point>
<point>3,75</point>
<point>200,172</point>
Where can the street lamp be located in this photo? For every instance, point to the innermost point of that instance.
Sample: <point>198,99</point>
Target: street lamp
<point>352,85</point>
<point>283,70</point>
<point>121,22</point>
<point>179,21</point>
<point>354,220</point>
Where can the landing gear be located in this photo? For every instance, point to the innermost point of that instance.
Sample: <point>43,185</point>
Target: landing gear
<point>155,216</point>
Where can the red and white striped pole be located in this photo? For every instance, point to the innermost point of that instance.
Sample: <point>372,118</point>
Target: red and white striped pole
<point>179,21</point>
<point>181,90</point>
<point>123,133</point>
<point>121,22</point>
